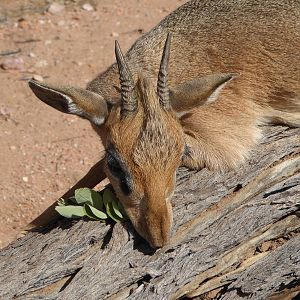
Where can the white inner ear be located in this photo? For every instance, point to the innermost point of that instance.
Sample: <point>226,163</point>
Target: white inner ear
<point>181,113</point>
<point>73,108</point>
<point>97,120</point>
<point>214,96</point>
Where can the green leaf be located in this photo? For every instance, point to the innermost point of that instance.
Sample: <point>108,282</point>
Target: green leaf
<point>83,195</point>
<point>122,210</point>
<point>61,202</point>
<point>109,196</point>
<point>97,213</point>
<point>70,211</point>
<point>111,213</point>
<point>113,206</point>
<point>97,200</point>
<point>88,212</point>
<point>72,200</point>
<point>115,209</point>
<point>107,199</point>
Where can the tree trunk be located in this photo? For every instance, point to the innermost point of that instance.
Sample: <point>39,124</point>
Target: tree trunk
<point>236,236</point>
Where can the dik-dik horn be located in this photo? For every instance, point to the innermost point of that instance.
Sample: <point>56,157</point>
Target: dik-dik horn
<point>232,66</point>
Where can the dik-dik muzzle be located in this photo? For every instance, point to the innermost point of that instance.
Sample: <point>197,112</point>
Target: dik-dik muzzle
<point>144,148</point>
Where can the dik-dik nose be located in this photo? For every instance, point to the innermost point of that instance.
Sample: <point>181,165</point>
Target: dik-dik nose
<point>158,229</point>
<point>159,239</point>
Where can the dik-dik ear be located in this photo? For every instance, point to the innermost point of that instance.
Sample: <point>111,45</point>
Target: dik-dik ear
<point>71,100</point>
<point>198,92</point>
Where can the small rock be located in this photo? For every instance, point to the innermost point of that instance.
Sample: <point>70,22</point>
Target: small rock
<point>37,77</point>
<point>13,64</point>
<point>88,7</point>
<point>61,23</point>
<point>22,23</point>
<point>114,34</point>
<point>25,178</point>
<point>78,63</point>
<point>13,148</point>
<point>42,63</point>
<point>56,8</point>
<point>5,111</point>
<point>31,54</point>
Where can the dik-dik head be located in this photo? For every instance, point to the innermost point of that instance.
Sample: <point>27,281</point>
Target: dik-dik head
<point>145,140</point>
<point>143,151</point>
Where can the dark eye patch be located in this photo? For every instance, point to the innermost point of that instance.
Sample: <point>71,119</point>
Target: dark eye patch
<point>114,165</point>
<point>125,187</point>
<point>118,170</point>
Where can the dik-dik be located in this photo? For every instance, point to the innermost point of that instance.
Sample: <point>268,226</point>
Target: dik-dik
<point>195,101</point>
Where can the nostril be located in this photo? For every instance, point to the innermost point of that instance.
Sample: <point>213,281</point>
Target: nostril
<point>155,248</point>
<point>157,244</point>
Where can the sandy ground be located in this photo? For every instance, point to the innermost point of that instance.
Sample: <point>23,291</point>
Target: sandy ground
<point>44,152</point>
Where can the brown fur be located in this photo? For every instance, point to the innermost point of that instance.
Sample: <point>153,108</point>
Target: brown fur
<point>217,121</point>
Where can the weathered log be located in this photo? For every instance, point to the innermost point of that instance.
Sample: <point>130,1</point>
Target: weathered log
<point>236,235</point>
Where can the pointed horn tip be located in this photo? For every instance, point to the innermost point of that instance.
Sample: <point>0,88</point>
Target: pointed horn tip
<point>169,35</point>
<point>117,46</point>
<point>118,50</point>
<point>168,40</point>
<point>167,46</point>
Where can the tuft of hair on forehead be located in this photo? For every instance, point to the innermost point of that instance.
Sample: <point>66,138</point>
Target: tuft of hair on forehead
<point>161,136</point>
<point>147,96</point>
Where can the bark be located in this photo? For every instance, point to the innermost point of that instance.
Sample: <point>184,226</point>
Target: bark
<point>236,236</point>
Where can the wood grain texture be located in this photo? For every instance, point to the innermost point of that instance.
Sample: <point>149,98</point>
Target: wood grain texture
<point>236,236</point>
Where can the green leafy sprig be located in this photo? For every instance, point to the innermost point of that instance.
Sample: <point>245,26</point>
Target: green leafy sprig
<point>93,205</point>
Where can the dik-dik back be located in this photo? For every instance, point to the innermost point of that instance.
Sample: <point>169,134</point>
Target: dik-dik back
<point>232,65</point>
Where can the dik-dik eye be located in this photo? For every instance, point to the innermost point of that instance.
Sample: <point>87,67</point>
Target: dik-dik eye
<point>119,173</point>
<point>113,165</point>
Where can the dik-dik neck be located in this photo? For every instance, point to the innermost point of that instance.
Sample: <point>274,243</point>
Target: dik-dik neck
<point>107,84</point>
<point>220,136</point>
